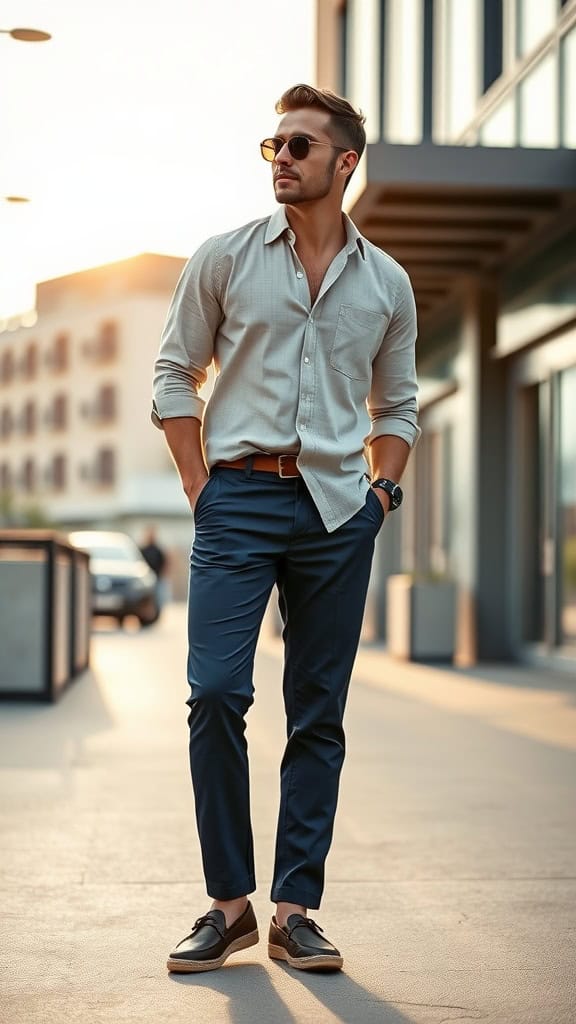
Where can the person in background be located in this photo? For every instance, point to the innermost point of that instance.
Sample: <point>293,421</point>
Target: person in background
<point>157,559</point>
<point>312,331</point>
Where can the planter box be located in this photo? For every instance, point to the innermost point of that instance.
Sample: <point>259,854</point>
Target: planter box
<point>421,619</point>
<point>46,618</point>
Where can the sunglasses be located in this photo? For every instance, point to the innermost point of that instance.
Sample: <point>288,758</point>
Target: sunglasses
<point>298,147</point>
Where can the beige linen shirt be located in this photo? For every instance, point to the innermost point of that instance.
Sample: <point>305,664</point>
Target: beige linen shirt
<point>320,381</point>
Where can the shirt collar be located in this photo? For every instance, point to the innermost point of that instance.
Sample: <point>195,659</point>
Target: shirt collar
<point>278,224</point>
<point>355,239</point>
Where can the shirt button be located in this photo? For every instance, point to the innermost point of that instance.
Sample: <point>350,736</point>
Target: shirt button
<point>299,273</point>
<point>302,426</point>
<point>306,360</point>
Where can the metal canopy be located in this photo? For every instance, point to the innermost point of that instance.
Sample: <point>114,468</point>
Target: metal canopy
<point>448,212</point>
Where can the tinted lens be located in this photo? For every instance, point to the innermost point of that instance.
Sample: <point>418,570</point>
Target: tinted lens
<point>269,148</point>
<point>299,147</point>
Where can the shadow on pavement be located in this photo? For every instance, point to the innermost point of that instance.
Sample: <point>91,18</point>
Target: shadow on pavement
<point>350,1002</point>
<point>254,997</point>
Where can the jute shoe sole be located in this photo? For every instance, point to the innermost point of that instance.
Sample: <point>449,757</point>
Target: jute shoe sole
<point>183,966</point>
<point>308,963</point>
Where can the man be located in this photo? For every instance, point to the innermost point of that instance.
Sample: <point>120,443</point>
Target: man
<point>312,331</point>
<point>156,558</point>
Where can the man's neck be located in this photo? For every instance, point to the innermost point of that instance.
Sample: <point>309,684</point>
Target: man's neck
<point>318,226</point>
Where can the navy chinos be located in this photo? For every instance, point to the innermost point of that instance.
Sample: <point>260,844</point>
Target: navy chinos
<point>255,530</point>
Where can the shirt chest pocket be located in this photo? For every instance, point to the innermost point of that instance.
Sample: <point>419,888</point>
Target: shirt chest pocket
<point>358,337</point>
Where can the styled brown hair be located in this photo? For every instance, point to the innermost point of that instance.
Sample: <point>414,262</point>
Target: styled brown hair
<point>347,123</point>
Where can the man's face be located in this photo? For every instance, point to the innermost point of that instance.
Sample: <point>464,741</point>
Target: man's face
<point>300,181</point>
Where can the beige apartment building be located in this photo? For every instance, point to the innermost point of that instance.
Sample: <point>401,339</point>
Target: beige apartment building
<point>76,439</point>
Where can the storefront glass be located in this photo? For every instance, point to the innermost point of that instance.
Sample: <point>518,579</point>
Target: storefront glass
<point>539,105</point>
<point>403,71</point>
<point>462,67</point>
<point>569,90</point>
<point>500,128</point>
<point>567,506</point>
<point>535,18</point>
<point>363,61</point>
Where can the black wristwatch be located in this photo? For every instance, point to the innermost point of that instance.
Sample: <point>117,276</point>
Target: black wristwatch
<point>394,490</point>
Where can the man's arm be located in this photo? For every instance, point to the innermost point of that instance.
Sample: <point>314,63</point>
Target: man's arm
<point>392,402</point>
<point>183,436</point>
<point>180,369</point>
<point>388,457</point>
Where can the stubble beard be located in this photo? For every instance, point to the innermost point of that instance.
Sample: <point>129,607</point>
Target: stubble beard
<point>314,191</point>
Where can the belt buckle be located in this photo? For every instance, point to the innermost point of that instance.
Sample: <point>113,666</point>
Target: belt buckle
<point>285,476</point>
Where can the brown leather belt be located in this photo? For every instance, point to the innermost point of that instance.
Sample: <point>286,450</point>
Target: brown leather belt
<point>284,465</point>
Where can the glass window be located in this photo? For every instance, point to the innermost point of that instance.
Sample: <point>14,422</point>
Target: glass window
<point>493,41</point>
<point>500,128</point>
<point>6,367</point>
<point>29,475</point>
<point>58,358</point>
<point>535,18</point>
<point>440,489</point>
<point>539,105</point>
<point>59,412</point>
<point>106,466</point>
<point>59,472</point>
<point>6,423</point>
<point>462,65</point>
<point>403,63</point>
<point>30,362</point>
<point>29,418</point>
<point>363,61</point>
<point>108,340</point>
<point>568,505</point>
<point>106,402</point>
<point>569,90</point>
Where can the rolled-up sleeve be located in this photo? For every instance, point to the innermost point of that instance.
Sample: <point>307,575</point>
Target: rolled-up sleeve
<point>392,403</point>
<point>187,344</point>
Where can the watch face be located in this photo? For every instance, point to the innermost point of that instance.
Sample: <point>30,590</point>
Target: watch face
<point>394,490</point>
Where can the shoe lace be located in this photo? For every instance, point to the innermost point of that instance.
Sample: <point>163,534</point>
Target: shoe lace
<point>204,920</point>
<point>307,922</point>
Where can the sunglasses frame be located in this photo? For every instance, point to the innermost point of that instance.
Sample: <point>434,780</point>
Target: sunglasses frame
<point>265,145</point>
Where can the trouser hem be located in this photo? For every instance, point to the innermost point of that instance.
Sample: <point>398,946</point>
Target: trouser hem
<point>303,897</point>
<point>231,890</point>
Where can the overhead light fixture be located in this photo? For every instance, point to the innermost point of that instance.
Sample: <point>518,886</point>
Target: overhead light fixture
<point>26,35</point>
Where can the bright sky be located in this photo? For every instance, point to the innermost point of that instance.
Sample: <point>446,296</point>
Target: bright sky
<point>137,126</point>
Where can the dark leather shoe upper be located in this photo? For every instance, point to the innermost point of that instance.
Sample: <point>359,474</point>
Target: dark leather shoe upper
<point>302,937</point>
<point>210,938</point>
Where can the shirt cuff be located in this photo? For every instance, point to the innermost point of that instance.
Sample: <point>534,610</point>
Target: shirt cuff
<point>409,432</point>
<point>178,405</point>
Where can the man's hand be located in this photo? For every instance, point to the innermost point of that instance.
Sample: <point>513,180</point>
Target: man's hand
<point>184,441</point>
<point>383,498</point>
<point>193,489</point>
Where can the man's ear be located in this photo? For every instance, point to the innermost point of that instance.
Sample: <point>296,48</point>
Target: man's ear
<point>349,161</point>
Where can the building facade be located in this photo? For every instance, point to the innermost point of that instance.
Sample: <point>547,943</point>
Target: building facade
<point>469,181</point>
<point>76,441</point>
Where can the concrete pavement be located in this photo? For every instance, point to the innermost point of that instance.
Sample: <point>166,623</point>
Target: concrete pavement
<point>451,885</point>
